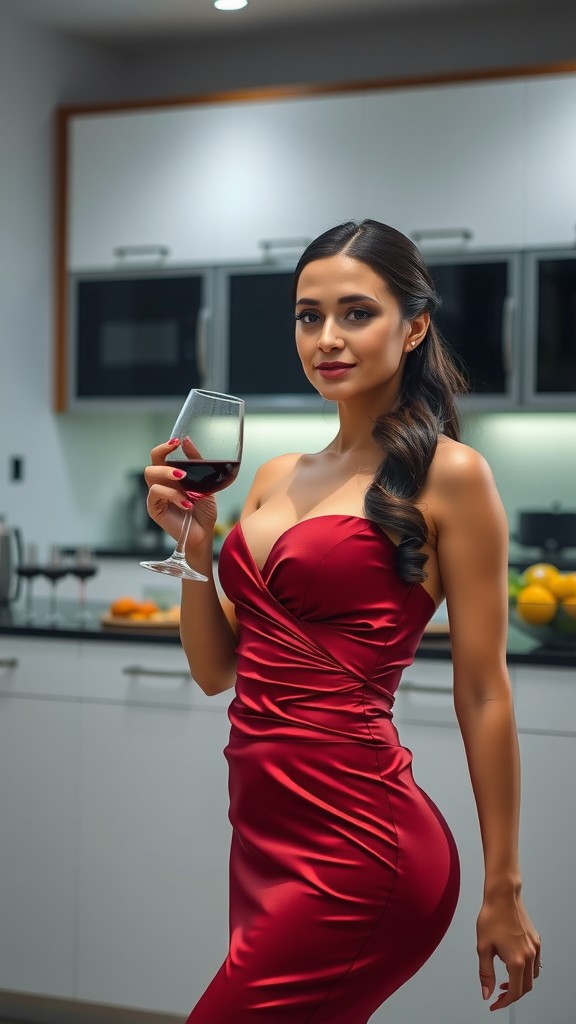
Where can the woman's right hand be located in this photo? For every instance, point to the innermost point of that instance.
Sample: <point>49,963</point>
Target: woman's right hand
<point>167,503</point>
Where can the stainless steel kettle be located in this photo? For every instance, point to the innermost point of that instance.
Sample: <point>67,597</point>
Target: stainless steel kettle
<point>10,559</point>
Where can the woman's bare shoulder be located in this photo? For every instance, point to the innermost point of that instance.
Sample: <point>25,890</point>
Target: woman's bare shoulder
<point>456,467</point>
<point>267,477</point>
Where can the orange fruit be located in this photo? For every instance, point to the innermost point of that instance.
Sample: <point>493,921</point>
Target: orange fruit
<point>564,585</point>
<point>569,604</point>
<point>123,606</point>
<point>541,572</point>
<point>536,605</point>
<point>147,608</point>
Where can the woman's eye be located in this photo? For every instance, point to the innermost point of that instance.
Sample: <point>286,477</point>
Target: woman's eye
<point>307,316</point>
<point>359,314</point>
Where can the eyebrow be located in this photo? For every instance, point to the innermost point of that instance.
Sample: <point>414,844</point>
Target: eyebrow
<point>343,301</point>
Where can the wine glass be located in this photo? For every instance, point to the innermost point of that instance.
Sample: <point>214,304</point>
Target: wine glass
<point>54,570</point>
<point>83,568</point>
<point>210,431</point>
<point>28,570</point>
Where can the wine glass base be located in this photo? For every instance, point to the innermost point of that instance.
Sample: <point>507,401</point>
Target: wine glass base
<point>180,570</point>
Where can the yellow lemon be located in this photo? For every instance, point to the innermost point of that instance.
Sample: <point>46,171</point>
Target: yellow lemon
<point>563,585</point>
<point>541,572</point>
<point>569,605</point>
<point>536,605</point>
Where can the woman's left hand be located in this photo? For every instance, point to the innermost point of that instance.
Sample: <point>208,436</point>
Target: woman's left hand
<point>504,929</point>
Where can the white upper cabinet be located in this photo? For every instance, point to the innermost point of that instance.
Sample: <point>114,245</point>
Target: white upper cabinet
<point>550,161</point>
<point>209,183</point>
<point>445,159</point>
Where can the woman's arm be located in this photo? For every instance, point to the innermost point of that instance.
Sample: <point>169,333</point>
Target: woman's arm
<point>208,624</point>
<point>472,554</point>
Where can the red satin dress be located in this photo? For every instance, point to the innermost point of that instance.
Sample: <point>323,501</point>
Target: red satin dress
<point>344,876</point>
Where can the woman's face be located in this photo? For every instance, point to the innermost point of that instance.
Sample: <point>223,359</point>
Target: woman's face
<point>350,333</point>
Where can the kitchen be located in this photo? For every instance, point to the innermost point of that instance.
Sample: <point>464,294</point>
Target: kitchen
<point>53,502</point>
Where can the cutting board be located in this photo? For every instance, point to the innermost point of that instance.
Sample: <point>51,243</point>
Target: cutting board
<point>139,625</point>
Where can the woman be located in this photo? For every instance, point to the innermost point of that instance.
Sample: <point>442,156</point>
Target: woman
<point>344,876</point>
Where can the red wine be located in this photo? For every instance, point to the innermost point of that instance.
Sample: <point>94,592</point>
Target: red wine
<point>29,572</point>
<point>54,572</point>
<point>206,476</point>
<point>83,572</point>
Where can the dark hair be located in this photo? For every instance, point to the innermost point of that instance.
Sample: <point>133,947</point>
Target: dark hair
<point>425,408</point>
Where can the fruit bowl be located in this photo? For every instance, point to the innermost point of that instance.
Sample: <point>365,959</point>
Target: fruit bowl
<point>559,632</point>
<point>542,604</point>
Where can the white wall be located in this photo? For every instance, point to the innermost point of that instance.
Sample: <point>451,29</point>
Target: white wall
<point>38,71</point>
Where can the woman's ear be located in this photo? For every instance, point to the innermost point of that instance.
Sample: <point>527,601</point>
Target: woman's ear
<point>417,332</point>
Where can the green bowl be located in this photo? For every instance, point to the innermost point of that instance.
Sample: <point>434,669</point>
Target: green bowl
<point>559,632</point>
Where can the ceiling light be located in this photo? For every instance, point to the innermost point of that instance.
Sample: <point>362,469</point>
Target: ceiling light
<point>230,5</point>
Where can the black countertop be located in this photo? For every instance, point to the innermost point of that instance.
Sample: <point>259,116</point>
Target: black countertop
<point>521,649</point>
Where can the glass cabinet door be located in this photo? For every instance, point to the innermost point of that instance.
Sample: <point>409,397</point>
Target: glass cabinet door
<point>479,296</point>
<point>255,310</point>
<point>550,375</point>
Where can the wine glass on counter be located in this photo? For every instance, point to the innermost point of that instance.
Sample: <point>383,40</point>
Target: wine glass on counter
<point>210,428</point>
<point>55,569</point>
<point>28,570</point>
<point>84,568</point>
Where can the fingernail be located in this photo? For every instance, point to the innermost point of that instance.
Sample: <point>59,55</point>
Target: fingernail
<point>178,473</point>
<point>173,440</point>
<point>193,494</point>
<point>485,992</point>
<point>187,504</point>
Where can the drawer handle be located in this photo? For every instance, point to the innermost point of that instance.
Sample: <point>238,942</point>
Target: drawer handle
<point>157,673</point>
<point>267,244</point>
<point>123,251</point>
<point>432,234</point>
<point>409,687</point>
<point>9,662</point>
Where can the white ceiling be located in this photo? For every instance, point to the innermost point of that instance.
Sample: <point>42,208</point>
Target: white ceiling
<point>143,21</point>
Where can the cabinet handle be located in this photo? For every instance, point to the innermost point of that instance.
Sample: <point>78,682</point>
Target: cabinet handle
<point>507,333</point>
<point>431,234</point>
<point>202,342</point>
<point>410,687</point>
<point>267,244</point>
<point>157,673</point>
<point>9,662</point>
<point>124,251</point>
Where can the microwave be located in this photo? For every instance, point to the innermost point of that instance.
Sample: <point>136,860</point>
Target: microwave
<point>138,337</point>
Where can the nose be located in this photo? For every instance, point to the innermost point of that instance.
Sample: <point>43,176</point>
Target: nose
<point>329,336</point>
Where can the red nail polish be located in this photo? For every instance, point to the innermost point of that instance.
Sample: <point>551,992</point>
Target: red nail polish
<point>174,440</point>
<point>187,504</point>
<point>178,473</point>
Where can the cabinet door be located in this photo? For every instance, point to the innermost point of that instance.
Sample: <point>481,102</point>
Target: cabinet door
<point>38,750</point>
<point>153,854</point>
<point>138,183</point>
<point>550,334</point>
<point>550,162</point>
<point>445,158</point>
<point>210,182</point>
<point>446,990</point>
<point>547,843</point>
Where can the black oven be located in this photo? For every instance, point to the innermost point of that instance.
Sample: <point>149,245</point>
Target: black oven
<point>138,337</point>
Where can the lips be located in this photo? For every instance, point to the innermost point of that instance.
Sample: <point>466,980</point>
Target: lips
<point>335,366</point>
<point>333,371</point>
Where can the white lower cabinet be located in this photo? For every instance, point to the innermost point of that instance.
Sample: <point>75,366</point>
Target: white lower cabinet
<point>38,777</point>
<point>153,853</point>
<point>114,834</point>
<point>153,832</point>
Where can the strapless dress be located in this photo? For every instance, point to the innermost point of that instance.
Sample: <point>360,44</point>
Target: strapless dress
<point>344,876</point>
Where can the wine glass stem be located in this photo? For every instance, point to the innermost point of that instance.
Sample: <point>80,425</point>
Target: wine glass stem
<point>53,604</point>
<point>187,523</point>
<point>29,598</point>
